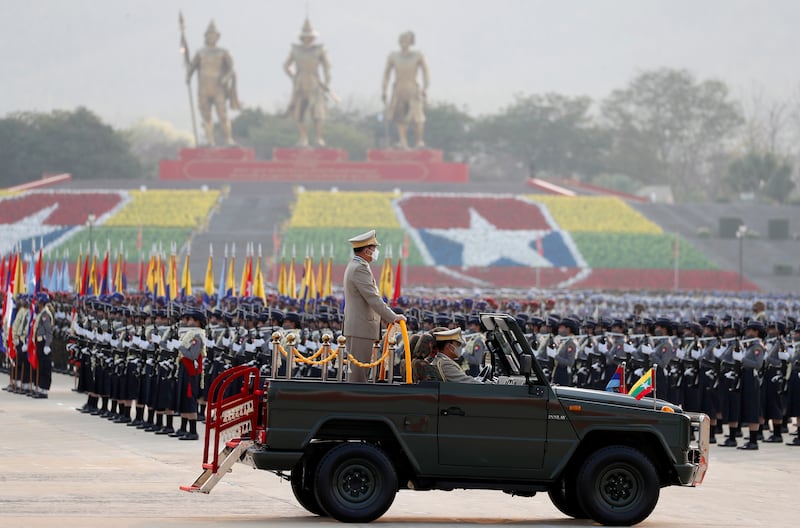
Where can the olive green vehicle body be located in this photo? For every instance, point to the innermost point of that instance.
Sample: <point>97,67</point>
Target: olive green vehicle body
<point>519,434</point>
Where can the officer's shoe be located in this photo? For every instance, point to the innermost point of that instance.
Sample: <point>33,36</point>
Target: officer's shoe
<point>121,419</point>
<point>794,442</point>
<point>190,436</point>
<point>760,436</point>
<point>144,425</point>
<point>134,423</point>
<point>729,442</point>
<point>165,431</point>
<point>178,434</point>
<point>153,428</point>
<point>40,396</point>
<point>749,446</point>
<point>774,439</point>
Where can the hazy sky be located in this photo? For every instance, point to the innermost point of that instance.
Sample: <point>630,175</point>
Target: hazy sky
<point>120,57</point>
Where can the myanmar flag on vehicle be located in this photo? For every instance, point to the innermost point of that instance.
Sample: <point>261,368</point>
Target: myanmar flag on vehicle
<point>644,386</point>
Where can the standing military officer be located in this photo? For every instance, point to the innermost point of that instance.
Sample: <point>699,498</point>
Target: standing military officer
<point>364,309</point>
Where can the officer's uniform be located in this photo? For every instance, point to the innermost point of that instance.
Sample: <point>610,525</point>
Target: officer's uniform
<point>43,337</point>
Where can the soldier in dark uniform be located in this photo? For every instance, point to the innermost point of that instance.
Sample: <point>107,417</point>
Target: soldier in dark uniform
<point>793,396</point>
<point>709,373</point>
<point>663,351</point>
<point>690,366</point>
<point>752,359</point>
<point>564,360</point>
<point>191,349</point>
<point>730,381</point>
<point>776,365</point>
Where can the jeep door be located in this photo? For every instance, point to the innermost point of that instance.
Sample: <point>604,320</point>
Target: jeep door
<point>496,430</point>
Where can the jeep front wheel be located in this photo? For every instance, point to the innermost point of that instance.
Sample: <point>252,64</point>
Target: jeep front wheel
<point>617,486</point>
<point>355,483</point>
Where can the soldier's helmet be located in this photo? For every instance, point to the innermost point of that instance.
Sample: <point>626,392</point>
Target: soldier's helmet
<point>43,297</point>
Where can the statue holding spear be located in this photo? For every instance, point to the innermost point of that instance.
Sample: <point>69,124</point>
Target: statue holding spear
<point>216,83</point>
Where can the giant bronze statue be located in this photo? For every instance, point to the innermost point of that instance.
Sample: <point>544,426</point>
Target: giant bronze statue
<point>216,83</point>
<point>408,98</point>
<point>309,90</point>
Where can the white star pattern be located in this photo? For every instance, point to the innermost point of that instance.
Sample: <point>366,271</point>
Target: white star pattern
<point>31,226</point>
<point>513,244</point>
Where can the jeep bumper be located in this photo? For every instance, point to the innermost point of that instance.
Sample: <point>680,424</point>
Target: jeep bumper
<point>268,459</point>
<point>693,472</point>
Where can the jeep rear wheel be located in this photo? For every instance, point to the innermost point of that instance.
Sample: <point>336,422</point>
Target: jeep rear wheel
<point>355,483</point>
<point>617,486</point>
<point>303,489</point>
<point>564,496</point>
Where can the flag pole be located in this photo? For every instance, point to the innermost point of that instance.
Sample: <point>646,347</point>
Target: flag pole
<point>187,64</point>
<point>653,381</point>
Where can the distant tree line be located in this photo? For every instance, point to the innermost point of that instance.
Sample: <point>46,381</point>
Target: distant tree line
<point>666,127</point>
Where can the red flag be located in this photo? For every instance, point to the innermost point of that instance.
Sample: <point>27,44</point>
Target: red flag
<point>398,288</point>
<point>85,279</point>
<point>104,277</point>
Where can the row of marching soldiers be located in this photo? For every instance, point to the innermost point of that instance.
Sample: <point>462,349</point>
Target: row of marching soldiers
<point>146,367</point>
<point>739,373</point>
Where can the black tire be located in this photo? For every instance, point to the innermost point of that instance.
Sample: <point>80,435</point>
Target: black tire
<point>617,486</point>
<point>564,496</point>
<point>304,490</point>
<point>355,483</point>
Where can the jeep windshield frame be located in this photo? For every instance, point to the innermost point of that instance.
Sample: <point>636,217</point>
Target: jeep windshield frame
<point>507,343</point>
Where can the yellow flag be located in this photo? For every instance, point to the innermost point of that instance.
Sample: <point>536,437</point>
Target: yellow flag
<point>78,274</point>
<point>321,276</point>
<point>231,278</point>
<point>209,285</point>
<point>151,274</point>
<point>160,289</point>
<point>388,279</point>
<point>19,277</point>
<point>282,278</point>
<point>258,282</point>
<point>291,282</point>
<point>118,287</point>
<point>186,278</point>
<point>328,288</point>
<point>312,283</point>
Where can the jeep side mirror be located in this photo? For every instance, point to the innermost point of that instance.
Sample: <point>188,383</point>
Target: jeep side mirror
<point>526,366</point>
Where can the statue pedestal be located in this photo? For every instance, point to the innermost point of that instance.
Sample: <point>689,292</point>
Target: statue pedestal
<point>309,154</point>
<point>222,153</point>
<point>308,164</point>
<point>416,155</point>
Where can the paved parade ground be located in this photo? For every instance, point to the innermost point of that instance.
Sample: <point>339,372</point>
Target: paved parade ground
<point>61,468</point>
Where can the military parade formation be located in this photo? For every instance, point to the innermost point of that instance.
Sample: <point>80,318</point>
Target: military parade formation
<point>144,361</point>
